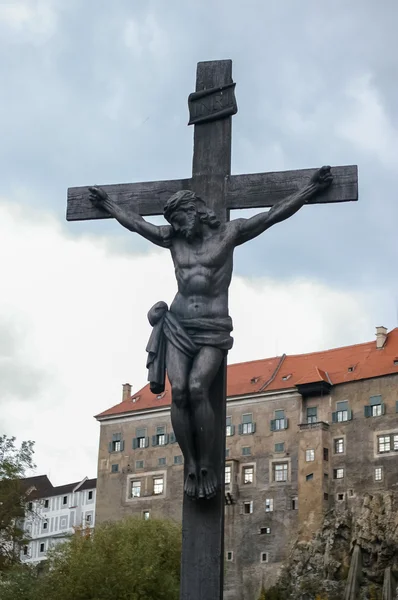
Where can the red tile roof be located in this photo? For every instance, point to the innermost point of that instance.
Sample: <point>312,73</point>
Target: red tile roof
<point>339,365</point>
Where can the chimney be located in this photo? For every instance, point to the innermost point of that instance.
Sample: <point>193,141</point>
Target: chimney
<point>381,336</point>
<point>126,397</point>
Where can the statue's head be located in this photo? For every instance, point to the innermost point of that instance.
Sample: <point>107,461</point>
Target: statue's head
<point>186,212</point>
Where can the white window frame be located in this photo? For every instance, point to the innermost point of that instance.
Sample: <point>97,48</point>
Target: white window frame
<point>378,474</point>
<point>230,556</point>
<point>158,486</point>
<point>310,455</point>
<point>228,474</point>
<point>136,486</point>
<point>247,470</point>
<point>281,472</point>
<point>269,505</point>
<point>247,426</point>
<point>335,445</point>
<point>385,444</point>
<point>338,471</point>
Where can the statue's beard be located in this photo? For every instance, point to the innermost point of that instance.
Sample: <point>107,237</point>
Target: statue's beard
<point>189,230</point>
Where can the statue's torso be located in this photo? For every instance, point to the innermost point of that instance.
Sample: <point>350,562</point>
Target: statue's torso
<point>203,271</point>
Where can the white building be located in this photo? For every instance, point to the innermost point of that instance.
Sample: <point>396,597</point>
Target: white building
<point>53,513</point>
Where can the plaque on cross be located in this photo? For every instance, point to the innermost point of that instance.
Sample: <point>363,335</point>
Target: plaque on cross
<point>192,337</point>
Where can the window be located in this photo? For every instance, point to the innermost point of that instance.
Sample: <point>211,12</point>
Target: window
<point>178,459</point>
<point>375,408</point>
<point>160,439</point>
<point>42,547</point>
<point>280,472</point>
<point>395,442</point>
<point>265,530</point>
<point>312,416</point>
<point>246,451</point>
<point>280,422</point>
<point>139,464</point>
<point>339,446</point>
<point>294,503</point>
<point>326,475</point>
<point>115,468</point>
<point>90,495</point>
<point>309,477</point>
<point>46,503</point>
<point>162,462</point>
<point>338,473</point>
<point>140,440</point>
<point>230,556</point>
<point>325,496</point>
<point>88,518</point>
<point>136,488</point>
<point>310,455</point>
<point>146,515</point>
<point>264,557</point>
<point>116,446</point>
<point>378,473</point>
<point>30,506</point>
<point>230,429</point>
<point>326,454</point>
<point>248,474</point>
<point>342,413</point>
<point>227,474</point>
<point>248,508</point>
<point>158,486</point>
<point>25,550</point>
<point>226,452</point>
<point>269,504</point>
<point>280,447</point>
<point>384,443</point>
<point>351,493</point>
<point>340,497</point>
<point>247,426</point>
<point>45,524</point>
<point>65,500</point>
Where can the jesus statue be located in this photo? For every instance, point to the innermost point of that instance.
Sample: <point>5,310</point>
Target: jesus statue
<point>191,338</point>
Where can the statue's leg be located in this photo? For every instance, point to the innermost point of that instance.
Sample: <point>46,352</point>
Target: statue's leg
<point>204,369</point>
<point>178,367</point>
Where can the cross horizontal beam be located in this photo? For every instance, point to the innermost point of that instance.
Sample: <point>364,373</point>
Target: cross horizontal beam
<point>258,190</point>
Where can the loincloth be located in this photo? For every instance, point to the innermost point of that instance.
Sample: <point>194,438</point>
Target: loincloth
<point>187,335</point>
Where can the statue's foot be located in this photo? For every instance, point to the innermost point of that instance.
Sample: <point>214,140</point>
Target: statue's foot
<point>207,483</point>
<point>191,483</point>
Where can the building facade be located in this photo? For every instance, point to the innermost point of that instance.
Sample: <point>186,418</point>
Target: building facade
<point>304,433</point>
<point>53,513</point>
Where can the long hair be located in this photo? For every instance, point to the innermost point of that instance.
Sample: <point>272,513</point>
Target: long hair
<point>185,198</point>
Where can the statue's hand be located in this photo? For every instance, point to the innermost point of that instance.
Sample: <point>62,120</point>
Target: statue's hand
<point>97,196</point>
<point>322,178</point>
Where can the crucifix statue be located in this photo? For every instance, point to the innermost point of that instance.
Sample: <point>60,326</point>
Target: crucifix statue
<point>191,338</point>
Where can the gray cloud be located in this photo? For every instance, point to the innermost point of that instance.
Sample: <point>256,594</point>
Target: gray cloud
<point>19,378</point>
<point>96,93</point>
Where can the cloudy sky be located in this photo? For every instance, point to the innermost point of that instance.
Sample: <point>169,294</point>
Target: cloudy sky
<point>96,92</point>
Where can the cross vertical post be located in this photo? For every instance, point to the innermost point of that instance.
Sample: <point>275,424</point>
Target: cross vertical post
<point>202,562</point>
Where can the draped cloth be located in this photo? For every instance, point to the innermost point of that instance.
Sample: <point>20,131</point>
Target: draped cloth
<point>187,335</point>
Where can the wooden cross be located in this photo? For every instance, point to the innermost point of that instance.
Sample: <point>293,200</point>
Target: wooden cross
<point>211,108</point>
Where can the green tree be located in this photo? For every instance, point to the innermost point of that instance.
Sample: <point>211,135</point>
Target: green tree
<point>131,559</point>
<point>14,463</point>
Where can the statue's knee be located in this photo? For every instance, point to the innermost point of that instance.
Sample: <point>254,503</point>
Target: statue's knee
<point>179,395</point>
<point>196,391</point>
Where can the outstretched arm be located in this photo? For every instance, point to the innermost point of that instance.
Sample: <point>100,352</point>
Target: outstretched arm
<point>247,229</point>
<point>160,236</point>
